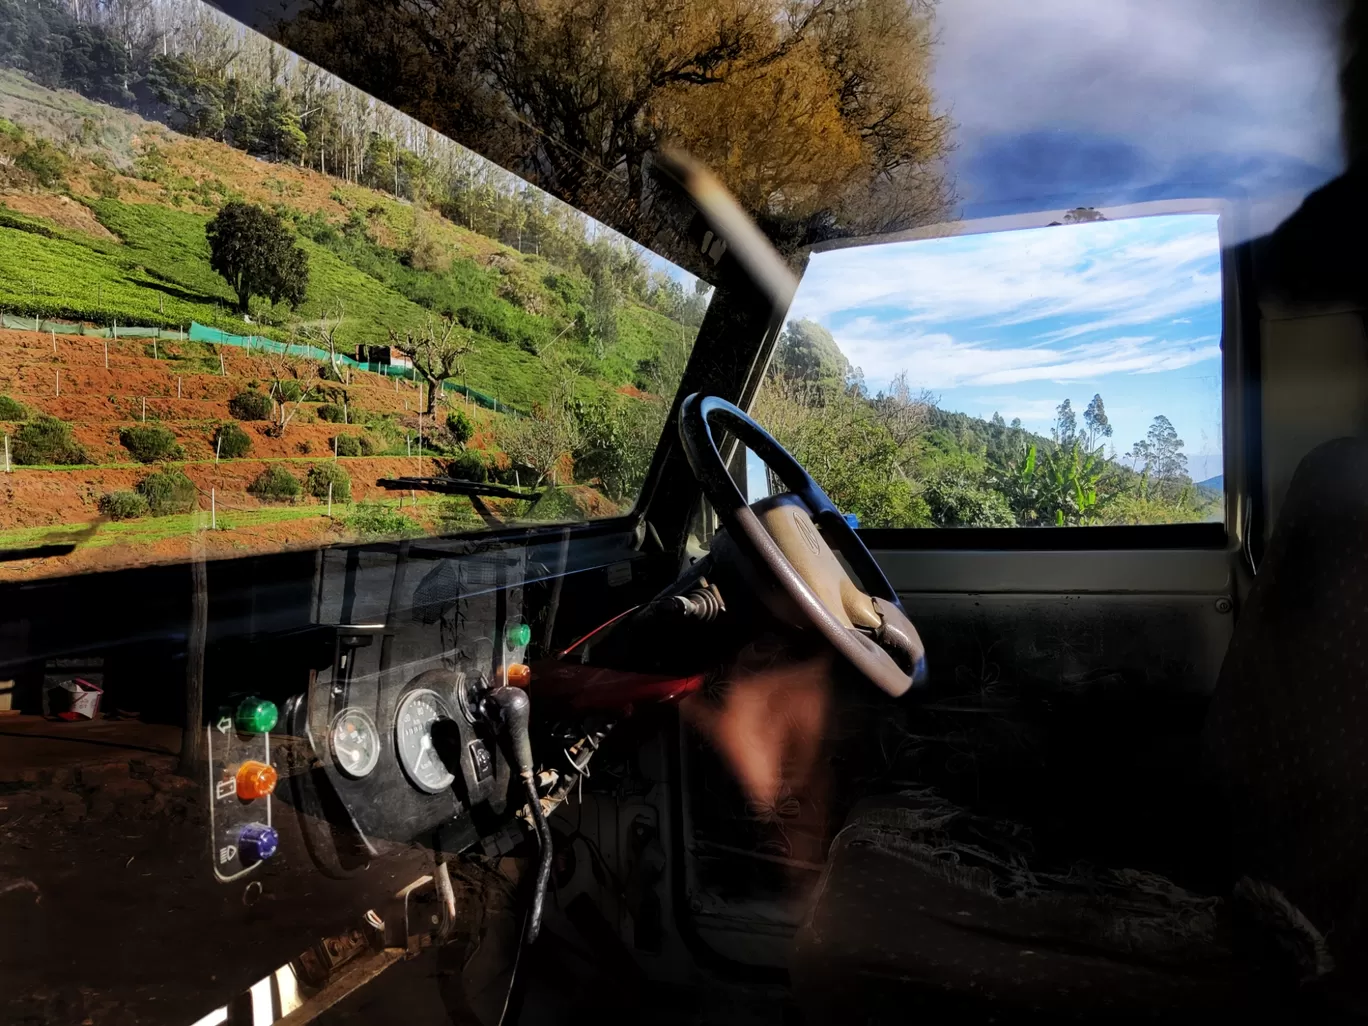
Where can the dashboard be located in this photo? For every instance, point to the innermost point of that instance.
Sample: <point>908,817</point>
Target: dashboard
<point>391,741</point>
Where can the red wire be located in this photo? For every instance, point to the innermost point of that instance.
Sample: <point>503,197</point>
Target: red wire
<point>603,626</point>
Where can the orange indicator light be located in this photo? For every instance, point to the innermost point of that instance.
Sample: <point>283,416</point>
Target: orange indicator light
<point>255,780</point>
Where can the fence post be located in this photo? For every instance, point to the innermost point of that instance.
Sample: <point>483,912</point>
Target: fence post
<point>59,384</point>
<point>54,340</point>
<point>178,387</point>
<point>218,445</point>
<point>335,437</point>
<point>106,349</point>
<point>330,484</point>
<point>222,373</point>
<point>116,331</point>
<point>7,459</point>
<point>213,509</point>
<point>144,415</point>
<point>154,348</point>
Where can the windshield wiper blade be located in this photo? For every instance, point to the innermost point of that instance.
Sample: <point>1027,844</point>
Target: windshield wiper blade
<point>36,552</point>
<point>453,486</point>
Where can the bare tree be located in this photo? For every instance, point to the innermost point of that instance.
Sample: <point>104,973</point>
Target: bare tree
<point>323,335</point>
<point>438,351</point>
<point>906,414</point>
<point>292,383</point>
<point>544,440</point>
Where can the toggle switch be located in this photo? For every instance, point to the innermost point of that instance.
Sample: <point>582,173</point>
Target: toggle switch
<point>257,842</point>
<point>255,780</point>
<point>256,715</point>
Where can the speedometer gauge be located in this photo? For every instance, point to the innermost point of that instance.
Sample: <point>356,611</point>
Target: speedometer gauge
<point>418,712</point>
<point>355,742</point>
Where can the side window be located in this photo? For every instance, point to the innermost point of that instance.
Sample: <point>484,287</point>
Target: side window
<point>1060,376</point>
<point>266,311</point>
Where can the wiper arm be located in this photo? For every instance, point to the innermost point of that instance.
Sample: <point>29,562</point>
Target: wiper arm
<point>454,486</point>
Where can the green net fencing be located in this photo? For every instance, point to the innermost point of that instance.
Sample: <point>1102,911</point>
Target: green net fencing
<point>74,328</point>
<point>203,333</point>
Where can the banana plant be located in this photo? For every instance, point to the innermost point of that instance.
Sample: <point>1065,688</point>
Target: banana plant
<point>1058,485</point>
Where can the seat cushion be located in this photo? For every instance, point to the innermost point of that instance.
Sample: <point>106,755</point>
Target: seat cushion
<point>1286,740</point>
<point>924,903</point>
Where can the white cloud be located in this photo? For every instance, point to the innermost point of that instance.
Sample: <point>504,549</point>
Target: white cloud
<point>939,361</point>
<point>1113,273</point>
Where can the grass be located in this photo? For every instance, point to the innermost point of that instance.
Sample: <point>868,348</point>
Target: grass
<point>150,530</point>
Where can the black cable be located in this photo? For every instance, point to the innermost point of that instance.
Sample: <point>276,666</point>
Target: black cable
<point>547,843</point>
<point>510,709</point>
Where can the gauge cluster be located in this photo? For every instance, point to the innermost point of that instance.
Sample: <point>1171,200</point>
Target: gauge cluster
<point>397,723</point>
<point>421,716</point>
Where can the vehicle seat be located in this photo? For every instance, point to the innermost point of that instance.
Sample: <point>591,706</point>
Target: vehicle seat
<point>925,908</point>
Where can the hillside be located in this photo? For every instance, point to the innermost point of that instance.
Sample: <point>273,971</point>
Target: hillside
<point>185,392</point>
<point>120,238</point>
<point>102,223</point>
<point>1214,484</point>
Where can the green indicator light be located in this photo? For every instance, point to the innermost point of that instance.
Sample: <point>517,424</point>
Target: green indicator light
<point>519,635</point>
<point>256,716</point>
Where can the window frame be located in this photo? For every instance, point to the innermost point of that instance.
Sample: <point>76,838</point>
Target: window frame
<point>1239,403</point>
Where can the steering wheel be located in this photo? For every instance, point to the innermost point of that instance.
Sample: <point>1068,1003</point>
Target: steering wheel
<point>787,536</point>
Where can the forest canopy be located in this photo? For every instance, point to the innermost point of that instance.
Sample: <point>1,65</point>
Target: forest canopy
<point>817,114</point>
<point>894,459</point>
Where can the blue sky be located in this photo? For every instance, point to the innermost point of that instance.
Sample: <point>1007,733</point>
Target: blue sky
<point>1016,322</point>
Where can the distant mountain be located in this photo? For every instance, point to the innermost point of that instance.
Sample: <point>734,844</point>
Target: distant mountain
<point>1215,484</point>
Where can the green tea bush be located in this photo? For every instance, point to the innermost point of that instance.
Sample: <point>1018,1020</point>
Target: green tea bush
<point>460,428</point>
<point>168,492</point>
<point>44,161</point>
<point>46,440</point>
<point>11,409</point>
<point>331,412</point>
<point>376,520</point>
<point>231,442</point>
<point>466,466</point>
<point>123,505</point>
<point>353,445</point>
<point>148,443</point>
<point>275,484</point>
<point>323,475</point>
<point>249,404</point>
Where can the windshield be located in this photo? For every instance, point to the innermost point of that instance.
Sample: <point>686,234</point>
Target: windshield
<point>1064,375</point>
<point>250,308</point>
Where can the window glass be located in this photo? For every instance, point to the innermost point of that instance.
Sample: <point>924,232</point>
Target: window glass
<point>237,298</point>
<point>1060,376</point>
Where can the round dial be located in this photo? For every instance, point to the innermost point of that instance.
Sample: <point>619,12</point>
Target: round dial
<point>355,742</point>
<point>418,712</point>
